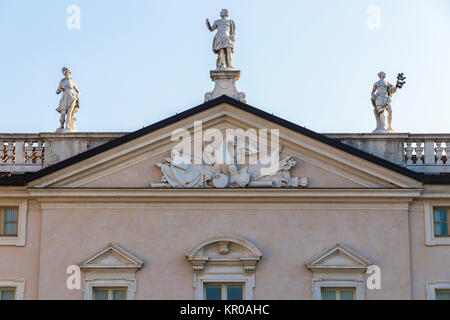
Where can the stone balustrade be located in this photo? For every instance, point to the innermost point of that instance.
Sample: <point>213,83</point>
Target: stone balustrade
<point>21,153</point>
<point>426,153</point>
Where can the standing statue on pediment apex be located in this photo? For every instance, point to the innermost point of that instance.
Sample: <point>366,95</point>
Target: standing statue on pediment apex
<point>223,44</point>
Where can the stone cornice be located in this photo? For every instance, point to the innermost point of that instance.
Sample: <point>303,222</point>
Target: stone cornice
<point>234,195</point>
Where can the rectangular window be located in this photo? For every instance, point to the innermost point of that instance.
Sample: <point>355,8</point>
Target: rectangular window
<point>440,219</point>
<point>338,293</point>
<point>7,293</point>
<point>110,293</point>
<point>224,291</point>
<point>9,221</point>
<point>443,294</point>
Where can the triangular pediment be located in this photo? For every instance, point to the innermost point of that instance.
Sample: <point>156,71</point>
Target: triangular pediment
<point>338,257</point>
<point>133,161</point>
<point>111,257</point>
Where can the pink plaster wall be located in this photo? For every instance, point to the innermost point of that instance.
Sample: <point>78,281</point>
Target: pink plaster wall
<point>429,262</point>
<point>287,238</point>
<point>23,262</point>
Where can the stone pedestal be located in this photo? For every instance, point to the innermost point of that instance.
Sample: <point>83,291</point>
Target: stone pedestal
<point>381,116</point>
<point>387,145</point>
<point>65,130</point>
<point>225,84</point>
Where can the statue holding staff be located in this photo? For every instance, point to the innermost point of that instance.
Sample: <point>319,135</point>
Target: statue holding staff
<point>382,93</point>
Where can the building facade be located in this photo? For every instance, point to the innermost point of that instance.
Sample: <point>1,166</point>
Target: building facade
<point>137,225</point>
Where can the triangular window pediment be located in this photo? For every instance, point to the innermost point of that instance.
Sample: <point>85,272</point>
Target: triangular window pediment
<point>112,257</point>
<point>338,257</point>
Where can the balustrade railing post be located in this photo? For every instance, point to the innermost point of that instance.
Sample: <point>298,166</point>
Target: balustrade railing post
<point>409,152</point>
<point>10,152</point>
<point>39,149</point>
<point>20,148</point>
<point>429,152</point>
<point>419,152</point>
<point>29,152</point>
<point>439,152</point>
<point>447,152</point>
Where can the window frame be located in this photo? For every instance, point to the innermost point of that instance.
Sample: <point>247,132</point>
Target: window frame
<point>3,221</point>
<point>357,285</point>
<point>17,284</point>
<point>338,291</point>
<point>447,211</point>
<point>434,285</point>
<point>19,239</point>
<point>224,291</point>
<point>8,289</point>
<point>442,290</point>
<point>110,290</point>
<point>247,282</point>
<point>91,284</point>
<point>431,239</point>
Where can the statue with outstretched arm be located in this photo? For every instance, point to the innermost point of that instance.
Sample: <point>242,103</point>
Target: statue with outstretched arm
<point>223,44</point>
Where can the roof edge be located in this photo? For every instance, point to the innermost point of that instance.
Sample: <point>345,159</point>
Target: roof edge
<point>28,177</point>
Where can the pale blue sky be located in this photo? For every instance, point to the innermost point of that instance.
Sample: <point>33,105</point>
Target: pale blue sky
<point>139,61</point>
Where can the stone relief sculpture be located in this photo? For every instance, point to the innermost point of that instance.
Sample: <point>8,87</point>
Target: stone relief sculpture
<point>223,44</point>
<point>183,173</point>
<point>69,103</point>
<point>225,75</point>
<point>382,93</point>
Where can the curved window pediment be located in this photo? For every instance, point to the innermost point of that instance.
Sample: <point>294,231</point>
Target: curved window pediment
<point>224,259</point>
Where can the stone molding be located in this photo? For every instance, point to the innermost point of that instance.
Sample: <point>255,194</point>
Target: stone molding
<point>338,266</point>
<point>247,257</point>
<point>224,258</point>
<point>101,260</point>
<point>322,260</point>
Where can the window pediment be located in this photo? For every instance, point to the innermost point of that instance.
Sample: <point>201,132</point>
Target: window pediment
<point>338,257</point>
<point>111,257</point>
<point>338,267</point>
<point>111,267</point>
<point>226,251</point>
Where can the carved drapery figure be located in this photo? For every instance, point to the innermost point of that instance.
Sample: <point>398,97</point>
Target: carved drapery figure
<point>182,173</point>
<point>382,93</point>
<point>224,39</point>
<point>69,103</point>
